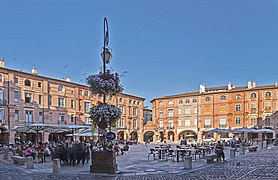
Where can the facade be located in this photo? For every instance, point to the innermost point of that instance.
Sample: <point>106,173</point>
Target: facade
<point>228,107</point>
<point>30,98</point>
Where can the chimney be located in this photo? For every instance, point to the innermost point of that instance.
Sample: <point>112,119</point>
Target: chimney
<point>276,84</point>
<point>2,62</point>
<point>249,84</point>
<point>230,86</point>
<point>202,88</point>
<point>68,79</point>
<point>35,71</point>
<point>254,84</point>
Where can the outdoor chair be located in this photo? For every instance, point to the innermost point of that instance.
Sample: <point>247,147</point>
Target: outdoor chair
<point>170,154</point>
<point>153,152</point>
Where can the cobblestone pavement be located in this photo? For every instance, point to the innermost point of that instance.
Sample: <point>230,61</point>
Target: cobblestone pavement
<point>258,165</point>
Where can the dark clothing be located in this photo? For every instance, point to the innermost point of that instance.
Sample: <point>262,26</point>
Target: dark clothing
<point>219,150</point>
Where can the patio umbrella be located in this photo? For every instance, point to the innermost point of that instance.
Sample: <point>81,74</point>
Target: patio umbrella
<point>216,130</point>
<point>40,127</point>
<point>73,128</point>
<point>264,131</point>
<point>242,130</point>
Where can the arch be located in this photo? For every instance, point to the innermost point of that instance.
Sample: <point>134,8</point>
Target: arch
<point>187,101</point>
<point>170,102</point>
<point>160,103</point>
<point>180,101</point>
<point>188,135</point>
<point>171,136</point>
<point>120,135</point>
<point>60,88</point>
<point>148,136</point>
<point>27,82</point>
<point>207,99</point>
<point>133,135</point>
<point>238,96</point>
<point>222,98</point>
<point>253,95</point>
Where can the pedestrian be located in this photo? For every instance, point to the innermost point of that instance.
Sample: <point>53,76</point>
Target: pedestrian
<point>219,150</point>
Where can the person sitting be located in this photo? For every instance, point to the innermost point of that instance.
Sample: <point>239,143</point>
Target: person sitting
<point>125,148</point>
<point>29,152</point>
<point>116,148</point>
<point>47,152</point>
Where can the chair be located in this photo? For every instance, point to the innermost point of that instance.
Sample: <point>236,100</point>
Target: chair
<point>152,152</point>
<point>170,154</point>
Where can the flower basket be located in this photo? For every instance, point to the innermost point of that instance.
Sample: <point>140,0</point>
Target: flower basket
<point>105,83</point>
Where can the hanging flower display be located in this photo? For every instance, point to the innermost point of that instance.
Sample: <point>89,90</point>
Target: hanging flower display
<point>108,83</point>
<point>109,113</point>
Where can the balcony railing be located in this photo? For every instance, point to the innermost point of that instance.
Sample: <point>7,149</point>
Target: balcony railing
<point>170,127</point>
<point>222,125</point>
<point>207,126</point>
<point>62,122</point>
<point>3,102</point>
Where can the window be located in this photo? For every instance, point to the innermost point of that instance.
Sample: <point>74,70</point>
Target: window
<point>50,117</point>
<point>187,101</point>
<point>223,122</point>
<point>28,117</point>
<point>253,120</point>
<point>15,80</point>
<point>49,100</point>
<point>134,102</point>
<point>87,107</point>
<point>61,102</point>
<point>187,122</point>
<point>222,98</point>
<point>195,121</point>
<point>80,92</point>
<point>28,98</point>
<point>253,95</point>
<point>60,88</point>
<point>238,108</point>
<point>121,99</point>
<point>194,100</point>
<point>40,117</point>
<point>253,106</point>
<point>195,110</point>
<point>27,82</point>
<point>207,123</point>
<point>222,108</point>
<point>267,94</point>
<point>267,104</point>
<point>238,96</point>
<point>40,99</point>
<point>179,122</point>
<point>170,102</point>
<point>72,104</point>
<point>180,101</point>
<point>72,119</point>
<point>187,110</point>
<point>122,122</point>
<point>138,103</point>
<point>1,80</point>
<point>39,84</point>
<point>130,101</point>
<point>135,124</point>
<point>161,113</point>
<point>179,111</point>
<point>1,96</point>
<point>170,112</point>
<point>267,120</point>
<point>160,103</point>
<point>122,109</point>
<point>237,120</point>
<point>62,118</point>
<point>135,112</point>
<point>161,124</point>
<point>16,115</point>
<point>86,93</point>
<point>16,96</point>
<point>207,99</point>
<point>171,124</point>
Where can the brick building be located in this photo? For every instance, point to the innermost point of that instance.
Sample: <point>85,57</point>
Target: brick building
<point>31,98</point>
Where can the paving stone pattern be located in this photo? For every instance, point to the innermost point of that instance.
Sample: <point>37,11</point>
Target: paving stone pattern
<point>134,165</point>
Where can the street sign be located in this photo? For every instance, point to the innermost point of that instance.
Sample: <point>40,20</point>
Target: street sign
<point>110,136</point>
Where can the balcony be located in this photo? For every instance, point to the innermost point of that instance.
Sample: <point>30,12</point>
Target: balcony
<point>3,102</point>
<point>222,126</point>
<point>62,122</point>
<point>170,127</point>
<point>207,126</point>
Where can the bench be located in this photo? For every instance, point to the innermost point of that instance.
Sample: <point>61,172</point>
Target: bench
<point>210,157</point>
<point>19,160</point>
<point>252,148</point>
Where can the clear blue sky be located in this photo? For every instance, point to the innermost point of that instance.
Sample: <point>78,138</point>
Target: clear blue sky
<point>167,47</point>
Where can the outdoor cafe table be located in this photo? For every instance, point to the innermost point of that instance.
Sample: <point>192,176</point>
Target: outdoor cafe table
<point>161,150</point>
<point>182,151</point>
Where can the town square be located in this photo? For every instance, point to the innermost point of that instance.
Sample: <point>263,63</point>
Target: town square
<point>138,90</point>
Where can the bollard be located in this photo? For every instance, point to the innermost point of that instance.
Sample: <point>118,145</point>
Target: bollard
<point>232,152</point>
<point>29,163</point>
<point>187,160</point>
<point>264,144</point>
<point>242,150</point>
<point>6,153</point>
<point>56,166</point>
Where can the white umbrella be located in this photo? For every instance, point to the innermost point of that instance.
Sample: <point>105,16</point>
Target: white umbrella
<point>264,131</point>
